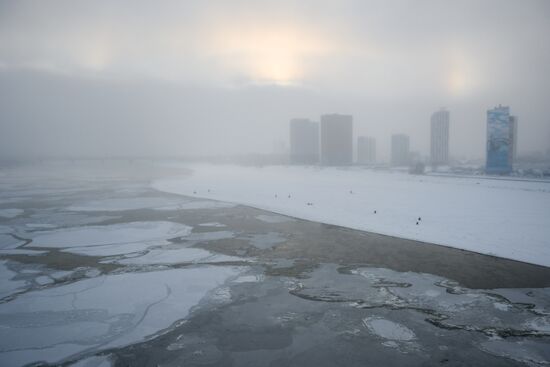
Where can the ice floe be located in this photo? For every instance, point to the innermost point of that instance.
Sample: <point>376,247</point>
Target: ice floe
<point>110,234</point>
<point>179,256</point>
<point>104,312</point>
<point>7,241</point>
<point>388,329</point>
<point>111,250</point>
<point>8,285</point>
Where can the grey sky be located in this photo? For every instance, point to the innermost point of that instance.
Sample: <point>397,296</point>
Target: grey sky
<point>195,77</point>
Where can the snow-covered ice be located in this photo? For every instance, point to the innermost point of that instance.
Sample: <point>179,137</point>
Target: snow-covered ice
<point>107,235</point>
<point>505,218</point>
<point>101,313</point>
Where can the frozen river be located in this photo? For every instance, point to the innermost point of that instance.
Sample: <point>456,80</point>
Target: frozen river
<point>97,268</point>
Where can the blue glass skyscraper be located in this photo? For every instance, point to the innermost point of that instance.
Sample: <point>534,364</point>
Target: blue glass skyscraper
<point>500,140</point>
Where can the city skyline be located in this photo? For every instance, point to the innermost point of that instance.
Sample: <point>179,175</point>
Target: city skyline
<point>163,92</point>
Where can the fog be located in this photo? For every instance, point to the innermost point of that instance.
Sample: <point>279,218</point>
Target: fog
<point>184,78</point>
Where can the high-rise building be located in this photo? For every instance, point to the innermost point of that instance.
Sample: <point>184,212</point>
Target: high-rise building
<point>304,141</point>
<point>439,128</point>
<point>336,139</point>
<point>514,138</point>
<point>400,150</point>
<point>366,150</point>
<point>501,140</point>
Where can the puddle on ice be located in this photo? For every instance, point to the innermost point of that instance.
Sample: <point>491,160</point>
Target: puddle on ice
<point>101,313</point>
<point>112,234</point>
<point>387,329</point>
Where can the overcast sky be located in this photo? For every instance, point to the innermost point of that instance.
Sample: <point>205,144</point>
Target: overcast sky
<point>212,77</point>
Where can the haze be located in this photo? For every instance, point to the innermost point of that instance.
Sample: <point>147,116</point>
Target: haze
<point>180,78</point>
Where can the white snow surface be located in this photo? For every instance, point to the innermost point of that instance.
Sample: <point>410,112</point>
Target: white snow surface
<point>124,233</point>
<point>101,313</point>
<point>505,218</point>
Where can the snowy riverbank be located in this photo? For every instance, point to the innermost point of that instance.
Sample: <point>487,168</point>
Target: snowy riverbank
<point>510,219</point>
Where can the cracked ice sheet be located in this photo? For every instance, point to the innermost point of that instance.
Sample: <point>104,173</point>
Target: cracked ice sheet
<point>123,204</point>
<point>100,313</point>
<point>112,250</point>
<point>179,256</point>
<point>9,242</point>
<point>111,234</point>
<point>7,285</point>
<point>10,213</point>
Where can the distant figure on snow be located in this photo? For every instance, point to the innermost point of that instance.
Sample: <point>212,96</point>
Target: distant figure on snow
<point>375,212</point>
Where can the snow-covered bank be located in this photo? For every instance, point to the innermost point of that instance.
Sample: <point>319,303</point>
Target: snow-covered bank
<point>510,219</point>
